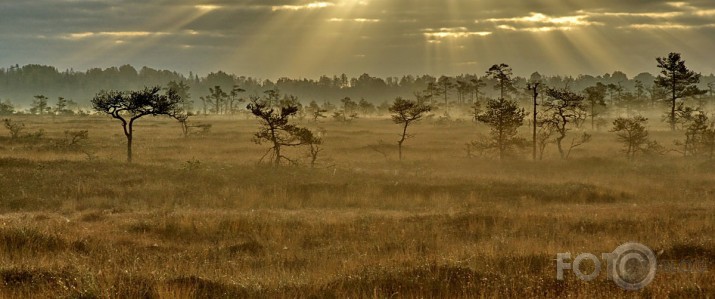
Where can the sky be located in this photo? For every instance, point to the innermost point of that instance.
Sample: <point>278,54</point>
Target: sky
<point>305,39</point>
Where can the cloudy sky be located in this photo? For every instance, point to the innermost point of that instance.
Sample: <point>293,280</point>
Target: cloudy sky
<point>294,38</point>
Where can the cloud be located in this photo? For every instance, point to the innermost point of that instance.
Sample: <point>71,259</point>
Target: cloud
<point>312,5</point>
<point>115,34</point>
<point>359,20</point>
<point>261,37</point>
<point>666,26</point>
<point>539,22</point>
<point>207,7</point>
<point>456,32</point>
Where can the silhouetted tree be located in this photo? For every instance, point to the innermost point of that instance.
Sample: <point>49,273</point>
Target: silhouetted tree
<point>405,112</point>
<point>504,117</point>
<point>444,85</point>
<point>463,88</point>
<point>431,91</point>
<point>14,127</point>
<point>6,108</point>
<point>182,90</point>
<point>534,88</point>
<point>349,106</point>
<point>562,109</point>
<point>277,129</point>
<point>234,98</point>
<point>615,92</point>
<point>39,105</point>
<point>216,97</point>
<point>366,108</point>
<point>699,136</point>
<point>476,86</point>
<point>62,107</point>
<point>634,135</point>
<point>128,106</point>
<point>596,99</point>
<point>315,111</point>
<point>503,74</point>
<point>656,94</point>
<point>272,96</point>
<point>314,149</point>
<point>678,80</point>
<point>348,111</point>
<point>183,119</point>
<point>544,136</point>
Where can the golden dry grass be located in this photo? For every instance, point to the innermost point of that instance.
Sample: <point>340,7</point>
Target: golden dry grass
<point>197,218</point>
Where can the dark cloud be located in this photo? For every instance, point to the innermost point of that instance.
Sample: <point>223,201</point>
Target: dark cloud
<point>272,38</point>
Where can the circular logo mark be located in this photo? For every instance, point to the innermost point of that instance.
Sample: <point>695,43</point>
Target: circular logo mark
<point>634,266</point>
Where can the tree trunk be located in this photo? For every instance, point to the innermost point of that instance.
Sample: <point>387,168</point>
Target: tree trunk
<point>558,144</point>
<point>399,142</point>
<point>129,132</point>
<point>592,104</point>
<point>536,95</point>
<point>277,161</point>
<point>445,94</point>
<point>129,148</point>
<point>501,144</point>
<point>672,107</point>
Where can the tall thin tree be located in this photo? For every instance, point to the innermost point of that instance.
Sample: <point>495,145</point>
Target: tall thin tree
<point>678,80</point>
<point>534,88</point>
<point>503,74</point>
<point>405,112</point>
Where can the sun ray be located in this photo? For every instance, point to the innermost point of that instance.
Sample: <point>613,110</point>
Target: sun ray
<point>126,44</point>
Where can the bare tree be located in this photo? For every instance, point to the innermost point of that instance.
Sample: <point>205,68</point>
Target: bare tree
<point>74,137</point>
<point>561,109</point>
<point>405,112</point>
<point>314,149</point>
<point>699,137</point>
<point>633,134</point>
<point>277,130</point>
<point>128,106</point>
<point>316,111</point>
<point>534,88</point>
<point>15,127</point>
<point>543,137</point>
<point>183,119</point>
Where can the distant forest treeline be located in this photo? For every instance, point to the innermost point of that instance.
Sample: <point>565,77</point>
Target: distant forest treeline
<point>20,84</point>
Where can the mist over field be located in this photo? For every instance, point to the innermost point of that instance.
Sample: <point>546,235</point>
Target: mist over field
<point>357,149</point>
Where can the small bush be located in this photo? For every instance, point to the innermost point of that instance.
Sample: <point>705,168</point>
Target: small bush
<point>14,127</point>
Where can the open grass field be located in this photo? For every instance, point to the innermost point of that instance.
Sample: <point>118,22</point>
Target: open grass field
<point>197,217</point>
